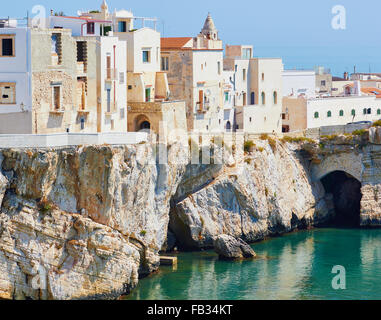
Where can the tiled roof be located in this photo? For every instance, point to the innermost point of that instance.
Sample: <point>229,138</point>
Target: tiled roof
<point>174,43</point>
<point>372,91</point>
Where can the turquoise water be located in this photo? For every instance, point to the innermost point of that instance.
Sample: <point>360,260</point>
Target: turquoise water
<point>294,266</point>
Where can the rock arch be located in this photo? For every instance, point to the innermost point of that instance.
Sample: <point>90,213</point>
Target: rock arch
<point>350,163</point>
<point>142,122</point>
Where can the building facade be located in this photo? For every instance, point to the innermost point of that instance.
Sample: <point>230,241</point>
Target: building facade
<point>194,67</point>
<point>45,86</point>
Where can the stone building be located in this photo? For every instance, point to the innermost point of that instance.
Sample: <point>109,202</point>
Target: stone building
<point>46,85</point>
<point>110,68</point>
<point>149,103</point>
<point>194,67</point>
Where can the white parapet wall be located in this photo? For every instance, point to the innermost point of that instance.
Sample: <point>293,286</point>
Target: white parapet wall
<point>70,139</point>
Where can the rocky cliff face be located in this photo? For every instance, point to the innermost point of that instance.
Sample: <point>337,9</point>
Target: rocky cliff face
<point>269,193</point>
<point>82,223</point>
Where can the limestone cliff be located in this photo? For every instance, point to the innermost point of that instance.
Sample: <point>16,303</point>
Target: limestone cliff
<point>87,222</point>
<point>82,222</point>
<point>269,193</point>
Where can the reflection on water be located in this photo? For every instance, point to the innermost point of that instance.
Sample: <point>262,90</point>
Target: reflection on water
<point>295,266</point>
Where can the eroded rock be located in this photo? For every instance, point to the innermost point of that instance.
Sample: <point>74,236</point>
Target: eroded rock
<point>228,247</point>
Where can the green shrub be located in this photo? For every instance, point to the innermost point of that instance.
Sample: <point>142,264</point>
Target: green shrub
<point>248,146</point>
<point>377,123</point>
<point>359,132</point>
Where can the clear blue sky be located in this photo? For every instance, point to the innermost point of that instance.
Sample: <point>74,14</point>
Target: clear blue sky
<point>299,31</point>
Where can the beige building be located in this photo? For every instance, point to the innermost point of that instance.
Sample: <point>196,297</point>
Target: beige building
<point>323,81</point>
<point>48,82</point>
<point>194,67</point>
<point>294,116</point>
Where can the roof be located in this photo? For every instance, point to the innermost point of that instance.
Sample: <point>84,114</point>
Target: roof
<point>86,18</point>
<point>209,25</point>
<point>175,43</point>
<point>372,91</point>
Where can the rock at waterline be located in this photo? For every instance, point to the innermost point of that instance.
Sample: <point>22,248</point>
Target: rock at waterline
<point>228,247</point>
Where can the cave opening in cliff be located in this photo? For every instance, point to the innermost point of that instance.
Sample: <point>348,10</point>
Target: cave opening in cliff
<point>346,193</point>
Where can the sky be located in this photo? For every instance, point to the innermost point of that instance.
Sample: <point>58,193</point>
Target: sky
<point>298,31</point>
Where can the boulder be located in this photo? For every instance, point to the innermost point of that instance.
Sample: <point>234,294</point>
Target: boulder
<point>228,247</point>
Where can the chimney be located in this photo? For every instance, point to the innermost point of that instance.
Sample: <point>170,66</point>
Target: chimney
<point>346,77</point>
<point>51,12</point>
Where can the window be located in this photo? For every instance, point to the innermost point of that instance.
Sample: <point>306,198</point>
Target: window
<point>122,26</point>
<point>90,28</point>
<point>329,114</point>
<point>283,116</point>
<point>378,111</point>
<point>252,98</point>
<point>235,68</point>
<point>226,96</point>
<point>82,123</point>
<point>369,111</point>
<point>81,51</point>
<point>341,113</point>
<point>322,83</point>
<point>275,96</point>
<point>263,77</point>
<point>364,111</point>
<point>164,63</point>
<point>219,67</point>
<point>353,112</point>
<point>56,49</point>
<point>56,97</point>
<point>316,115</point>
<point>7,93</point>
<point>148,94</point>
<point>146,55</point>
<point>7,45</point>
<point>244,74</point>
<point>121,77</point>
<point>263,98</point>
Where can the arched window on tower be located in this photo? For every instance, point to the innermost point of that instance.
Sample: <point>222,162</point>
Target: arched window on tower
<point>263,98</point>
<point>252,98</point>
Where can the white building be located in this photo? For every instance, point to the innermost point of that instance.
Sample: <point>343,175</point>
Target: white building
<point>15,80</point>
<point>333,111</point>
<point>298,83</point>
<point>111,57</point>
<point>265,115</point>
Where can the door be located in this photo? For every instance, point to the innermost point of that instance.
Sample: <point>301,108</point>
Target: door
<point>148,94</point>
<point>81,94</point>
<point>201,99</point>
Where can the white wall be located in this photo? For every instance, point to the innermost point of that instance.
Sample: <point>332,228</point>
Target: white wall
<point>296,82</point>
<point>208,79</point>
<point>264,118</point>
<point>78,26</point>
<point>17,69</point>
<point>137,40</point>
<point>70,139</point>
<point>241,85</point>
<point>107,47</point>
<point>336,104</point>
